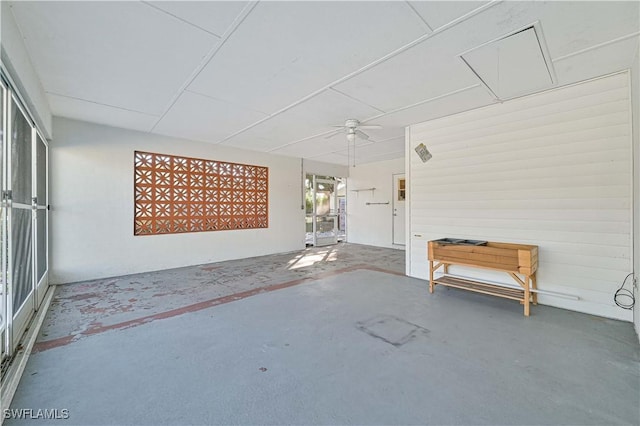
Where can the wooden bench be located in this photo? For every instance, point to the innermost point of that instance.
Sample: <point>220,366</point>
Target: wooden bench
<point>520,261</point>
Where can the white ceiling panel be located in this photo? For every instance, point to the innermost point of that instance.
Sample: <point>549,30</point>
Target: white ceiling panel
<point>572,26</point>
<point>314,116</point>
<point>378,157</point>
<point>462,101</point>
<point>124,63</point>
<point>212,16</point>
<point>332,158</point>
<point>384,134</point>
<point>63,106</point>
<point>284,51</point>
<point>363,157</point>
<point>596,22</point>
<point>380,148</point>
<point>422,72</point>
<point>439,13</point>
<point>317,146</point>
<point>124,54</point>
<point>594,63</point>
<point>198,117</point>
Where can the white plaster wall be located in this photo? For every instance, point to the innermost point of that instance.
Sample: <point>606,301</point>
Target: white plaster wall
<point>92,206</point>
<point>552,169</point>
<point>373,224</point>
<point>16,61</point>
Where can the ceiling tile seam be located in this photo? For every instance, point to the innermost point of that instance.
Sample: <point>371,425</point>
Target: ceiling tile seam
<point>389,139</point>
<point>419,16</point>
<point>435,98</point>
<point>355,99</point>
<point>226,102</point>
<point>101,104</point>
<point>180,19</point>
<point>482,82</point>
<point>301,140</point>
<point>551,89</point>
<point>369,142</point>
<point>544,48</point>
<point>208,57</point>
<point>366,156</point>
<point>499,38</point>
<point>378,61</point>
<point>378,116</point>
<point>596,46</point>
<point>401,151</point>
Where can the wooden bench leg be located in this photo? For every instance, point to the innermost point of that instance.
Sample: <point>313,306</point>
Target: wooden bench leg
<point>430,276</point>
<point>534,285</point>
<point>527,296</point>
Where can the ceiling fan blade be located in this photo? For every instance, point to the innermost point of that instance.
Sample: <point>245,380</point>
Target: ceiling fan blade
<point>362,135</point>
<point>370,126</point>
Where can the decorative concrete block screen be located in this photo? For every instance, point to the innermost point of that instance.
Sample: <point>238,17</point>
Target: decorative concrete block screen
<point>180,194</point>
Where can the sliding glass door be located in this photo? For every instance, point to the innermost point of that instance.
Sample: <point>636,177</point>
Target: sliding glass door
<point>23,220</point>
<point>4,320</point>
<point>20,218</point>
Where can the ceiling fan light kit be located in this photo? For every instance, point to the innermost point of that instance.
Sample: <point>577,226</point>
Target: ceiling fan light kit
<point>352,128</point>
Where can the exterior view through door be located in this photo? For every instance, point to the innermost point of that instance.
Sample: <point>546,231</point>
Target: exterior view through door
<point>325,201</point>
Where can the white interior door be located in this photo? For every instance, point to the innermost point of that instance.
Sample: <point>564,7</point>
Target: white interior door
<point>399,195</point>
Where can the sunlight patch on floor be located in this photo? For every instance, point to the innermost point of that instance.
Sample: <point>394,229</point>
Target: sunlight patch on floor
<point>309,259</point>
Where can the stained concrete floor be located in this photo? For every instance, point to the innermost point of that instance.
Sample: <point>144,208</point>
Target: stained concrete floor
<point>331,335</point>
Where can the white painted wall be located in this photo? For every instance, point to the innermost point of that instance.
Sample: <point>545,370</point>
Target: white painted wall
<point>16,61</point>
<point>373,224</point>
<point>553,169</point>
<point>92,206</point>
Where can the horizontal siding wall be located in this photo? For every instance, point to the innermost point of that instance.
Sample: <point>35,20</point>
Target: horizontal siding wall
<point>553,169</point>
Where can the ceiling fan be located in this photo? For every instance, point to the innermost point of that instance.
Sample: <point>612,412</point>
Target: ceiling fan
<point>352,128</point>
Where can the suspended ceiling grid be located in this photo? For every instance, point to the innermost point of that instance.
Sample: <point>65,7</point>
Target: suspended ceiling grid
<point>275,76</point>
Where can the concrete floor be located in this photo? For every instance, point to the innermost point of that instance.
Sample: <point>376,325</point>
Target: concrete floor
<point>333,335</point>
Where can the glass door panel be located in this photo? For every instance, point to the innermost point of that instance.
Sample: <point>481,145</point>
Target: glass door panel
<point>326,230</point>
<point>22,265</point>
<point>21,141</point>
<point>308,201</point>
